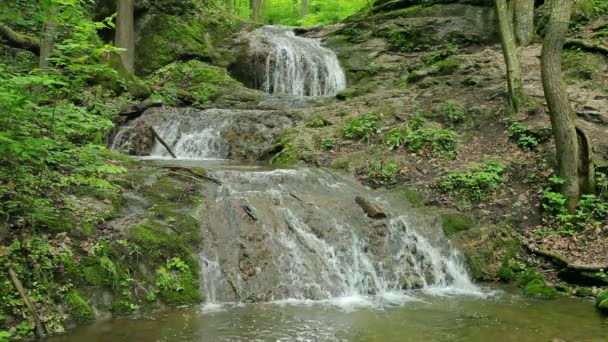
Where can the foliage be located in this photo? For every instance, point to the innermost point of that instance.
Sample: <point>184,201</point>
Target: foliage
<point>454,112</point>
<point>383,171</point>
<point>476,183</point>
<point>288,12</point>
<point>327,144</point>
<point>525,138</point>
<point>435,142</point>
<point>317,122</point>
<point>591,212</point>
<point>288,151</point>
<point>394,138</point>
<point>409,39</point>
<point>363,127</point>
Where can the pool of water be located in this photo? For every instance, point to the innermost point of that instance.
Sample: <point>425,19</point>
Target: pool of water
<point>501,315</point>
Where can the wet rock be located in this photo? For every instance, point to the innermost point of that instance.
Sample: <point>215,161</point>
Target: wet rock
<point>370,208</point>
<point>143,141</point>
<point>135,110</point>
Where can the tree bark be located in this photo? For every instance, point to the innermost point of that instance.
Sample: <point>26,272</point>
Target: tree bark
<point>562,116</point>
<point>304,8</point>
<point>509,48</point>
<point>255,10</point>
<point>523,20</point>
<point>48,39</point>
<point>162,142</point>
<point>125,33</point>
<point>18,40</point>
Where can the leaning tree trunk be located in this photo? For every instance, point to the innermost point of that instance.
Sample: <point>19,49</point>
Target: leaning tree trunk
<point>509,48</point>
<point>562,116</point>
<point>523,19</point>
<point>125,33</point>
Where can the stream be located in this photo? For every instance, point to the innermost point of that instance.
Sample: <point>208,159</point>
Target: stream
<point>289,254</point>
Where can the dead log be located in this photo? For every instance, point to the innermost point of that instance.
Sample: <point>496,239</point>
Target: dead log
<point>28,303</point>
<point>162,142</point>
<point>563,262</point>
<point>18,40</point>
<point>136,110</point>
<point>586,45</point>
<point>371,209</point>
<point>199,175</point>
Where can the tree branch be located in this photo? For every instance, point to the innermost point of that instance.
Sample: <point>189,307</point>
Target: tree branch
<point>18,40</point>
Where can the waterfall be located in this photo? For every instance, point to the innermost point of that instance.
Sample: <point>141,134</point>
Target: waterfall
<point>286,64</point>
<point>298,234</point>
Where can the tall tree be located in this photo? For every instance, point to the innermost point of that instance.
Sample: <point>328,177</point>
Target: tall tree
<point>562,116</point>
<point>304,8</point>
<point>255,10</point>
<point>125,33</point>
<point>523,20</point>
<point>228,5</point>
<point>48,37</point>
<point>509,48</point>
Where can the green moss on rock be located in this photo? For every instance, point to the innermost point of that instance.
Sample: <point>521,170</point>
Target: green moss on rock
<point>602,301</point>
<point>80,310</point>
<point>538,288</point>
<point>455,222</point>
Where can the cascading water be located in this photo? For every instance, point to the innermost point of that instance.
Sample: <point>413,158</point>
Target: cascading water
<point>298,234</point>
<point>286,64</point>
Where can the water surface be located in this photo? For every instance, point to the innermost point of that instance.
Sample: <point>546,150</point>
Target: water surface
<point>505,316</point>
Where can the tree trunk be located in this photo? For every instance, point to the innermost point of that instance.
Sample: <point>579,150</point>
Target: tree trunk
<point>509,48</point>
<point>48,40</point>
<point>523,19</point>
<point>263,7</point>
<point>18,40</point>
<point>562,116</point>
<point>125,33</point>
<point>255,10</point>
<point>304,8</point>
<point>229,6</point>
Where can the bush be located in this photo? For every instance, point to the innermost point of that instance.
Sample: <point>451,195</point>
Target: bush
<point>363,127</point>
<point>435,142</point>
<point>383,172</point>
<point>525,138</point>
<point>454,112</point>
<point>474,184</point>
<point>394,138</point>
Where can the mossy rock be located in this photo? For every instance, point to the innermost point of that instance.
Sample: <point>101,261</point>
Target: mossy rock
<point>538,288</point>
<point>454,223</point>
<point>195,83</point>
<point>412,195</point>
<point>80,310</point>
<point>583,292</point>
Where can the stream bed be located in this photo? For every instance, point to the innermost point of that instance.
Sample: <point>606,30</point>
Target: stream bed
<point>501,315</point>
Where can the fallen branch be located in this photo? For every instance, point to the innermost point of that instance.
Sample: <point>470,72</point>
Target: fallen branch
<point>162,142</point>
<point>586,45</point>
<point>18,40</point>
<point>136,110</point>
<point>563,262</point>
<point>179,168</point>
<point>28,303</point>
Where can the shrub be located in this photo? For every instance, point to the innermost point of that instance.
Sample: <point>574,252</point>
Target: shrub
<point>394,138</point>
<point>446,67</point>
<point>363,127</point>
<point>474,184</point>
<point>525,138</point>
<point>454,112</point>
<point>317,122</point>
<point>436,142</point>
<point>382,171</point>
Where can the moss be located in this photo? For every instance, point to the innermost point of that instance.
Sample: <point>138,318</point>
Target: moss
<point>527,277</point>
<point>177,287</point>
<point>581,66</point>
<point>583,292</point>
<point>447,66</point>
<point>351,162</point>
<point>506,274</point>
<point>122,307</point>
<point>538,288</point>
<point>602,299</point>
<point>192,83</point>
<point>454,223</point>
<point>95,275</point>
<point>413,196</point>
<point>80,310</point>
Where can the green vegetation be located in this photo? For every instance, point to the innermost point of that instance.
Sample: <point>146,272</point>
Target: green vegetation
<point>476,183</point>
<point>395,138</point>
<point>454,223</point>
<point>383,171</point>
<point>525,138</point>
<point>364,127</point>
<point>431,141</point>
<point>454,112</point>
<point>591,212</point>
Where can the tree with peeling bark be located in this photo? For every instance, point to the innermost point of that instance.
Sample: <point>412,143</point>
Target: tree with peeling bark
<point>509,48</point>
<point>560,111</point>
<point>125,33</point>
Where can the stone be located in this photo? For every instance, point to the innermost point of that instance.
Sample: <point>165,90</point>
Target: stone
<point>370,208</point>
